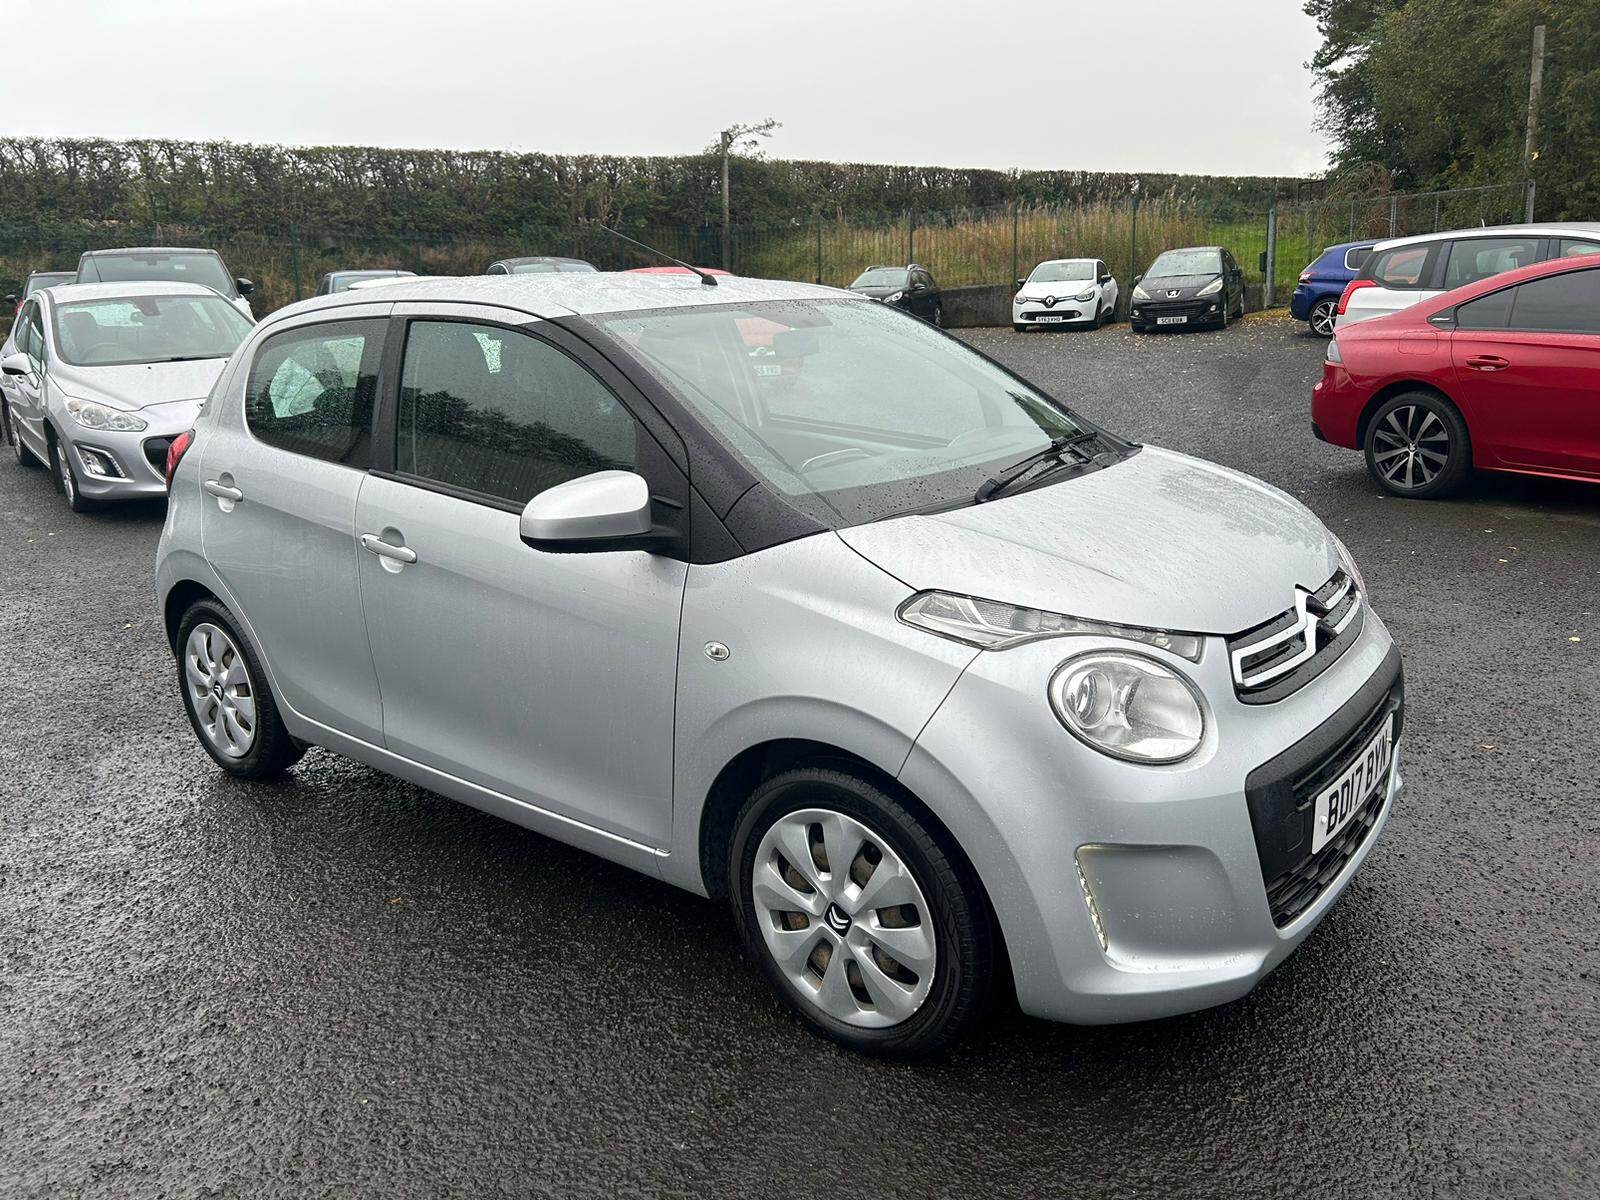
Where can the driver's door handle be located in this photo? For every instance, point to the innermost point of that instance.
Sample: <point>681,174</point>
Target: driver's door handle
<point>374,544</point>
<point>222,491</point>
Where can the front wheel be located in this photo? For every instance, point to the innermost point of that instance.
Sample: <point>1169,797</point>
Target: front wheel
<point>25,457</point>
<point>859,918</point>
<point>67,479</point>
<point>225,692</point>
<point>1018,327</point>
<point>1417,446</point>
<point>1323,317</point>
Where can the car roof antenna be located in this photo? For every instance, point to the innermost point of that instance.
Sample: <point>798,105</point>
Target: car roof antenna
<point>708,279</point>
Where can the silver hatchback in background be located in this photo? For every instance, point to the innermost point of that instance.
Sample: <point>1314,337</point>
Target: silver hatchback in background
<point>777,594</point>
<point>103,376</point>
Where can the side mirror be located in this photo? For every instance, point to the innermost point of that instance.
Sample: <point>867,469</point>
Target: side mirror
<point>609,510</point>
<point>11,297</point>
<point>1138,277</point>
<point>19,365</point>
<point>244,285</point>
<point>1021,283</point>
<point>1105,279</point>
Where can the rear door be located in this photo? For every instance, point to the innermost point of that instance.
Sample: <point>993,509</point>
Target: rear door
<point>1527,362</point>
<point>549,678</point>
<point>282,467</point>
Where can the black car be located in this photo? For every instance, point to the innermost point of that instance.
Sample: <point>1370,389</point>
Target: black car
<point>1198,285</point>
<point>909,287</point>
<point>539,264</point>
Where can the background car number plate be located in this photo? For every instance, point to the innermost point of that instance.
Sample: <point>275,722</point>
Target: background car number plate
<point>1339,802</point>
<point>1049,320</point>
<point>1172,320</point>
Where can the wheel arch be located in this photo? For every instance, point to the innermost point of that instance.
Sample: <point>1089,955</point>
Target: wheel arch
<point>1399,388</point>
<point>179,597</point>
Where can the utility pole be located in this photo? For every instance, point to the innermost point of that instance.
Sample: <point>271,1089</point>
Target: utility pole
<point>1530,147</point>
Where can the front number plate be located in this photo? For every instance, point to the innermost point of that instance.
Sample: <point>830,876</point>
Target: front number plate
<point>1172,320</point>
<point>1048,320</point>
<point>1338,803</point>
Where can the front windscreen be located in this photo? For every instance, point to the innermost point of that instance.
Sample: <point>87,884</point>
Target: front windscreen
<point>882,277</point>
<point>551,268</point>
<point>860,405</point>
<point>147,329</point>
<point>1062,272</point>
<point>162,267</point>
<point>1186,262</point>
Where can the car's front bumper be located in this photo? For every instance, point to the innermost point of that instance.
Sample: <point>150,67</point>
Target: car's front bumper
<point>1063,312</point>
<point>1163,862</point>
<point>126,466</point>
<point>1196,312</point>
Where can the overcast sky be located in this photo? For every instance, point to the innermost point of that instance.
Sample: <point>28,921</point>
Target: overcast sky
<point>1209,86</point>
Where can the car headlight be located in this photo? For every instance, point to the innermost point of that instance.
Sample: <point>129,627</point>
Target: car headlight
<point>1019,299</point>
<point>1349,563</point>
<point>1128,706</point>
<point>893,298</point>
<point>1139,293</point>
<point>1085,296</point>
<point>1210,289</point>
<point>991,625</point>
<point>98,416</point>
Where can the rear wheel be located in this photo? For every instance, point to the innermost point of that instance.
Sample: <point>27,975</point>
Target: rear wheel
<point>25,457</point>
<point>1417,446</point>
<point>1323,317</point>
<point>225,692</point>
<point>859,918</point>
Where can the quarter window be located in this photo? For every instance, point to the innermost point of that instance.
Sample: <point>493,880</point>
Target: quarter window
<point>1486,312</point>
<point>1472,259</point>
<point>504,414</point>
<point>1404,267</point>
<point>1566,303</point>
<point>311,390</point>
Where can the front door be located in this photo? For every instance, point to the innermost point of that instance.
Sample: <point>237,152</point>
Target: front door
<point>1527,362</point>
<point>546,677</point>
<point>281,471</point>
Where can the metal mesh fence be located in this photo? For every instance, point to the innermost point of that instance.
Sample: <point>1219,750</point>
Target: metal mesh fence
<point>972,247</point>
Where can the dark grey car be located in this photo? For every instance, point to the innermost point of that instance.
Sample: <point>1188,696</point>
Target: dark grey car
<point>909,287</point>
<point>1195,286</point>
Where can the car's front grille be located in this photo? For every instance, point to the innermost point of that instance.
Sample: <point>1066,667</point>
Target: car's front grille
<point>1281,796</point>
<point>1278,658</point>
<point>155,453</point>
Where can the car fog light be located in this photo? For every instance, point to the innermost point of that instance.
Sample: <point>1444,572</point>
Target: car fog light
<point>1094,909</point>
<point>98,463</point>
<point>1128,706</point>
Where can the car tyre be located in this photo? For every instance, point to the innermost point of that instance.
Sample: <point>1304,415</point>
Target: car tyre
<point>952,911</point>
<point>66,479</point>
<point>213,659</point>
<point>1417,446</point>
<point>1323,317</point>
<point>938,315</point>
<point>1019,327</point>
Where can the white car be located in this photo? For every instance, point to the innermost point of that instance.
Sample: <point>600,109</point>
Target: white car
<point>1406,271</point>
<point>1065,291</point>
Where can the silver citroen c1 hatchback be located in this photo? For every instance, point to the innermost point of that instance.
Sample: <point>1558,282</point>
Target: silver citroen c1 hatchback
<point>781,595</point>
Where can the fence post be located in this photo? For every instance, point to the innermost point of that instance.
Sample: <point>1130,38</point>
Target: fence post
<point>1533,189</point>
<point>1133,255</point>
<point>1016,217</point>
<point>416,250</point>
<point>1269,290</point>
<point>911,236</point>
<point>294,258</point>
<point>1394,215</point>
<point>818,220</point>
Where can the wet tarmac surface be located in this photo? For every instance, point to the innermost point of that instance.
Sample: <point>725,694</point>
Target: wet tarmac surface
<point>341,985</point>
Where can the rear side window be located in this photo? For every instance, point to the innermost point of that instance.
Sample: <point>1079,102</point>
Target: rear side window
<point>1356,257</point>
<point>1403,267</point>
<point>1472,259</point>
<point>500,413</point>
<point>1566,303</point>
<point>311,390</point>
<point>1568,247</point>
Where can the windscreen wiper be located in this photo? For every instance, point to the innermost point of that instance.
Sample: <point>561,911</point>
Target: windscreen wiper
<point>1006,476</point>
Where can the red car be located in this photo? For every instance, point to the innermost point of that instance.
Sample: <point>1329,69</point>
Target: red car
<point>1500,375</point>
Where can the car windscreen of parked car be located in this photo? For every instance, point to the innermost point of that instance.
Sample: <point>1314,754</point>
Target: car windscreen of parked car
<point>1174,263</point>
<point>891,277</point>
<point>858,404</point>
<point>146,329</point>
<point>205,269</point>
<point>1062,272</point>
<point>548,268</point>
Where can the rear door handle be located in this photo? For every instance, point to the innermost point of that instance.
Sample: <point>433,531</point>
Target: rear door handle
<point>222,491</point>
<point>374,544</point>
<point>1487,362</point>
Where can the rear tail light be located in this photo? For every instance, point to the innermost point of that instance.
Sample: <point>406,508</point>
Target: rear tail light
<point>1305,276</point>
<point>176,451</point>
<point>1350,289</point>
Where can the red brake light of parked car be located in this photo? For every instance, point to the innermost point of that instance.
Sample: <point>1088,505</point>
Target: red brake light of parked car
<point>1350,289</point>
<point>175,452</point>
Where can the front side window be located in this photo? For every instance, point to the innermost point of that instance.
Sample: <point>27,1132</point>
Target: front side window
<point>1404,267</point>
<point>1472,259</point>
<point>158,266</point>
<point>857,404</point>
<point>35,331</point>
<point>1565,303</point>
<point>147,329</point>
<point>504,414</point>
<point>1573,247</point>
<point>311,390</point>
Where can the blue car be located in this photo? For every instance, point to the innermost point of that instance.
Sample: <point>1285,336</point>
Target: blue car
<point>1316,300</point>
